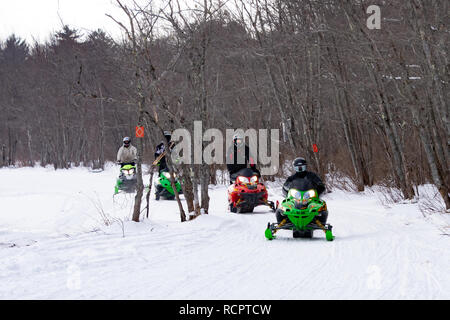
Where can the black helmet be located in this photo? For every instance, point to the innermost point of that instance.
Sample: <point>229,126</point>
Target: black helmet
<point>299,165</point>
<point>168,135</point>
<point>126,140</point>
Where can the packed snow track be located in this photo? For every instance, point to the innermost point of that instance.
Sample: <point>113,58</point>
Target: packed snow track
<point>54,244</point>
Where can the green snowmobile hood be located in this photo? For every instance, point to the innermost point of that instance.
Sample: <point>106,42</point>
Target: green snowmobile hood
<point>164,181</point>
<point>302,207</point>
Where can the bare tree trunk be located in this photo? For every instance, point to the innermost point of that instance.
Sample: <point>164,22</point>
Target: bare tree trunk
<point>149,191</point>
<point>195,189</point>
<point>30,150</point>
<point>204,184</point>
<point>3,155</point>
<point>186,179</point>
<point>140,152</point>
<point>102,131</point>
<point>172,182</point>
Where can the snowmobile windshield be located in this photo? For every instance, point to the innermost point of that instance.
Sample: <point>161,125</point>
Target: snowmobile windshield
<point>246,172</point>
<point>302,185</point>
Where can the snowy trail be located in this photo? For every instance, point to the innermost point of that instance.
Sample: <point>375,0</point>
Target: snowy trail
<point>48,248</point>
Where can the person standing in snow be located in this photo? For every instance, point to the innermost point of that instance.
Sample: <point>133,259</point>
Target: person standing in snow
<point>127,153</point>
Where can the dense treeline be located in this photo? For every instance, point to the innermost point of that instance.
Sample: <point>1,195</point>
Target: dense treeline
<point>375,102</point>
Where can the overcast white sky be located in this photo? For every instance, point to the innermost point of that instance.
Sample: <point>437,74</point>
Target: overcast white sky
<point>38,18</point>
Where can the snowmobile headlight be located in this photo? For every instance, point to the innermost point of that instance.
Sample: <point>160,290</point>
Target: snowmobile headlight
<point>294,193</point>
<point>254,179</point>
<point>243,179</point>
<point>309,194</point>
<point>166,174</point>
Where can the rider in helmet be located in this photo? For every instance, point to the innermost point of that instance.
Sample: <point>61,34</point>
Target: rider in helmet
<point>239,157</point>
<point>127,153</point>
<point>304,178</point>
<point>162,164</point>
<point>160,148</point>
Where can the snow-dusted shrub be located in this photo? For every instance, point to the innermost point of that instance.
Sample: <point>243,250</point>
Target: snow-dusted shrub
<point>336,179</point>
<point>430,200</point>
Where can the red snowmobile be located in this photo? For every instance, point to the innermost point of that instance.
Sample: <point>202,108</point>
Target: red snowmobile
<point>247,192</point>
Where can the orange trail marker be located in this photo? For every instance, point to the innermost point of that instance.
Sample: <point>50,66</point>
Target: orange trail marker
<point>139,132</point>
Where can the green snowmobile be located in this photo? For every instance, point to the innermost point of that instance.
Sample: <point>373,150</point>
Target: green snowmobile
<point>127,179</point>
<point>302,212</point>
<point>164,188</point>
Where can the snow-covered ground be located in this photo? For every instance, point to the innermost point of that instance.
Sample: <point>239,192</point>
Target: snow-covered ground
<point>54,245</point>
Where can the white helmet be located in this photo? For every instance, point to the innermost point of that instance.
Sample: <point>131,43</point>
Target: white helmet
<point>238,140</point>
<point>126,140</point>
